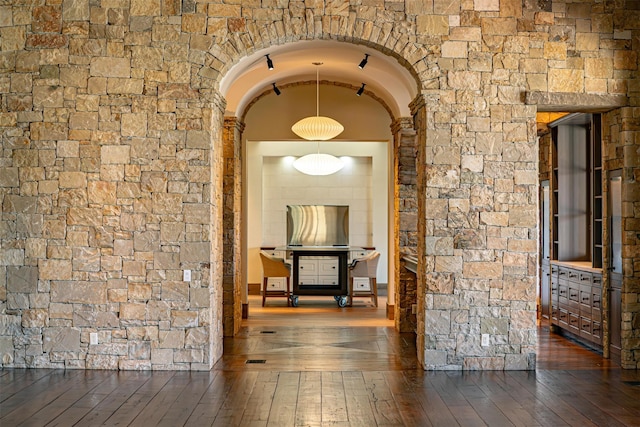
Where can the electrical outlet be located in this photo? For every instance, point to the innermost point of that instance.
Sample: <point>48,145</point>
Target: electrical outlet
<point>93,338</point>
<point>485,340</point>
<point>186,276</point>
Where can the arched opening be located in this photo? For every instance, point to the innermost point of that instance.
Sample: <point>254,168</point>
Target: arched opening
<point>381,118</point>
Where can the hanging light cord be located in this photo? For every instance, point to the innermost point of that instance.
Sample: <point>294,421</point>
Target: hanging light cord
<point>318,90</point>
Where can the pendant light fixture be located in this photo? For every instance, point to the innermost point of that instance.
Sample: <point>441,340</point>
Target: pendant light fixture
<point>318,163</point>
<point>317,128</point>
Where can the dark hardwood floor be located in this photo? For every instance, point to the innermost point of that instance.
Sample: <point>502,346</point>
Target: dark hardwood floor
<point>319,365</point>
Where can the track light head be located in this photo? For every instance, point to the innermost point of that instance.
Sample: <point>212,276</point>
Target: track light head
<point>364,61</point>
<point>269,63</point>
<point>276,90</point>
<point>361,90</point>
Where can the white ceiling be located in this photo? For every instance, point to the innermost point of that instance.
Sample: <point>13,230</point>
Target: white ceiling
<point>293,62</point>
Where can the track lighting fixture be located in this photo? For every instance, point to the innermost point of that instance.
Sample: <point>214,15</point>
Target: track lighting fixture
<point>276,90</point>
<point>270,63</point>
<point>364,61</point>
<point>361,90</point>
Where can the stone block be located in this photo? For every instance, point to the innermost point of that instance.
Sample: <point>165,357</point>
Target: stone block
<point>133,268</point>
<point>196,337</point>
<point>125,86</point>
<point>161,356</point>
<point>499,26</point>
<point>115,154</point>
<point>86,259</point>
<point>54,269</point>
<point>102,361</point>
<point>199,252</point>
<point>146,8</point>
<point>598,68</point>
<point>184,319</point>
<point>482,270</point>
<point>22,279</point>
<point>432,24</point>
<point>84,120</point>
<point>587,41</point>
<point>35,318</point>
<point>566,80</point>
<point>84,216</point>
<point>522,216</point>
<point>48,96</point>
<point>439,283</point>
<point>61,339</point>
<point>189,356</point>
<point>448,264</point>
<point>9,177</point>
<point>101,192</point>
<point>146,241</point>
<point>483,363</point>
<point>79,292</point>
<point>173,339</point>
<point>200,297</point>
<point>464,80</point>
<point>438,322</point>
<point>139,291</point>
<point>133,311</point>
<point>110,67</point>
<point>68,149</point>
<point>175,291</point>
<point>72,180</point>
<point>167,203</point>
<point>166,261</point>
<point>75,10</point>
<point>434,359</point>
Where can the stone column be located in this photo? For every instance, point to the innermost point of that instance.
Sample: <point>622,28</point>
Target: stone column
<point>217,105</point>
<point>419,112</point>
<point>232,215</point>
<point>405,222</point>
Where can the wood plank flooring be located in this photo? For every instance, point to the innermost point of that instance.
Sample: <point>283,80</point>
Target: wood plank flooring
<point>329,366</point>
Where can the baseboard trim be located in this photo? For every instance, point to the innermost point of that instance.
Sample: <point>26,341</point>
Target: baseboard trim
<point>245,310</point>
<point>254,288</point>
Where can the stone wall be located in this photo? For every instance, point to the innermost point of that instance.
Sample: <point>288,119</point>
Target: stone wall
<point>621,148</point>
<point>111,180</point>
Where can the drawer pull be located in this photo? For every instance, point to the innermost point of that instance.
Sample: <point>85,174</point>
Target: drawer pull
<point>572,275</point>
<point>585,298</point>
<point>584,278</point>
<point>574,321</point>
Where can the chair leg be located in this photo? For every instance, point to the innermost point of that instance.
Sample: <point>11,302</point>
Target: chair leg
<point>264,290</point>
<point>374,287</point>
<point>288,293</point>
<point>350,296</point>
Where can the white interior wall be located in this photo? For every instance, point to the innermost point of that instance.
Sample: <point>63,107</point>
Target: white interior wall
<point>273,183</point>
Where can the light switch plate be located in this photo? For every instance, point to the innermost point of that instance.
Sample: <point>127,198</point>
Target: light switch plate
<point>186,275</point>
<point>93,338</point>
<point>485,340</point>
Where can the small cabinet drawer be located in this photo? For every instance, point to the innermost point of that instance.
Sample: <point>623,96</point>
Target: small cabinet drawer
<point>276,284</point>
<point>328,280</point>
<point>328,266</point>
<point>574,322</point>
<point>307,267</point>
<point>584,278</point>
<point>585,297</point>
<point>361,284</point>
<point>308,280</point>
<point>276,254</point>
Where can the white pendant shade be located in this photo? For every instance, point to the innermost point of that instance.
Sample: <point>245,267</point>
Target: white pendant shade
<point>318,164</point>
<point>317,128</point>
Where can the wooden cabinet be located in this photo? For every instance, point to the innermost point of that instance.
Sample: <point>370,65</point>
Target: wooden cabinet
<point>318,270</point>
<point>576,300</point>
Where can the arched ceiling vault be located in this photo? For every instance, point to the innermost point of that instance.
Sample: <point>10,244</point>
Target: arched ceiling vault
<point>293,62</point>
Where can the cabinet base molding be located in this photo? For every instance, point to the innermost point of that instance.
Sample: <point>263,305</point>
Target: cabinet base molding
<point>391,311</point>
